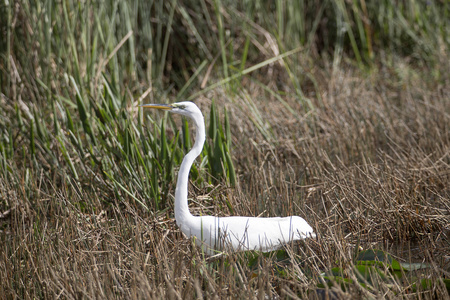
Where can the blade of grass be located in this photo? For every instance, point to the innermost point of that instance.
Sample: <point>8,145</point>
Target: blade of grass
<point>245,72</point>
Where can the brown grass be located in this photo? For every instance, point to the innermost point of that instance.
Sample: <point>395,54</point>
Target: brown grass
<point>368,168</point>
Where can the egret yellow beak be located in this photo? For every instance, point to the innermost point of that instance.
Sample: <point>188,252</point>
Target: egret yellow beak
<point>158,106</point>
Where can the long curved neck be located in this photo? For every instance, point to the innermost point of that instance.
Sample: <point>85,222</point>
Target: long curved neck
<point>182,213</point>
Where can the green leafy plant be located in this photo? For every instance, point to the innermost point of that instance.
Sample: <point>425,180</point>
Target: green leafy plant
<point>219,158</point>
<point>373,266</point>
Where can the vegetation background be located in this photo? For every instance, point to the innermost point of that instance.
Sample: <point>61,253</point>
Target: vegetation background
<point>337,111</point>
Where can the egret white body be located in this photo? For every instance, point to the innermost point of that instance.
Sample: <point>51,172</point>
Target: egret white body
<point>215,234</point>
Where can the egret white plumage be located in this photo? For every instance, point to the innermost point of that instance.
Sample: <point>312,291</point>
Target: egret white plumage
<point>235,233</point>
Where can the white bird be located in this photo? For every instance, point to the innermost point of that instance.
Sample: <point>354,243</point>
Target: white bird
<point>216,234</point>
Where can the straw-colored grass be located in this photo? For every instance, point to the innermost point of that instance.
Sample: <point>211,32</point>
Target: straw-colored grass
<point>334,111</point>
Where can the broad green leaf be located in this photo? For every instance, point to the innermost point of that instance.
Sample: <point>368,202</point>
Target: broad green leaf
<point>414,266</point>
<point>373,256</point>
<point>367,272</point>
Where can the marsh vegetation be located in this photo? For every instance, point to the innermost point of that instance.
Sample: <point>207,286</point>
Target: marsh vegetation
<point>336,111</point>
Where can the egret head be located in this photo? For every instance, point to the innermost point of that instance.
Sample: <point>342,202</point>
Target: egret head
<point>185,108</point>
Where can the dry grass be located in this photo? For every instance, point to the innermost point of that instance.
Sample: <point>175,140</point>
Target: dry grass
<point>351,131</point>
<point>369,168</point>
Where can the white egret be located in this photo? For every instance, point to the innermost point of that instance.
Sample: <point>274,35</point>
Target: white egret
<point>226,233</point>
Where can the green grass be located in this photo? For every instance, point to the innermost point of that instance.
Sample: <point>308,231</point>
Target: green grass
<point>335,111</point>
